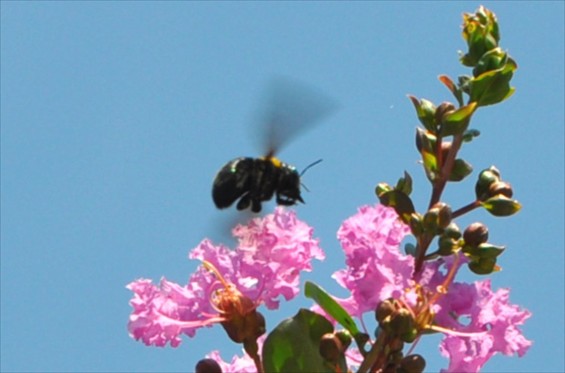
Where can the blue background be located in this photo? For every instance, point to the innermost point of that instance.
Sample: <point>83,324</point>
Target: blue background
<point>116,116</point>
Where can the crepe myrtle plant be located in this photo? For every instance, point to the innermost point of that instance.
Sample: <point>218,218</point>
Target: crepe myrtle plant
<point>408,294</point>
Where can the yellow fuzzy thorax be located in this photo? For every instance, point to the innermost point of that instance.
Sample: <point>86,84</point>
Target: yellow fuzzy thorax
<point>275,161</point>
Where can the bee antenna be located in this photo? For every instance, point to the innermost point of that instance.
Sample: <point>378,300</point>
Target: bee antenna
<point>307,167</point>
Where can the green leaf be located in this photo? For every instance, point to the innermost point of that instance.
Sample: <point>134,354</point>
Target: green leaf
<point>430,165</point>
<point>500,205</point>
<point>457,121</point>
<point>426,112</point>
<point>401,202</point>
<point>492,60</point>
<point>404,184</point>
<point>493,86</point>
<point>461,169</point>
<point>484,266</point>
<point>487,250</point>
<point>425,140</point>
<point>470,134</point>
<point>293,346</point>
<point>328,304</point>
<point>455,90</point>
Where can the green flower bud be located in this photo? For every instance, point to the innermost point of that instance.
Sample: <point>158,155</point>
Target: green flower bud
<point>410,335</point>
<point>483,266</point>
<point>480,30</point>
<point>345,338</point>
<point>447,245</point>
<point>460,170</point>
<point>486,250</point>
<point>416,224</point>
<point>384,310</point>
<point>438,217</point>
<point>382,188</point>
<point>403,324</point>
<point>486,178</point>
<point>492,60</point>
<point>452,231</point>
<point>442,110</point>
<point>426,113</point>
<point>456,122</point>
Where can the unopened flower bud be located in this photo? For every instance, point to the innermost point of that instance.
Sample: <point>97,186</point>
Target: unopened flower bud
<point>475,234</point>
<point>330,347</point>
<point>444,217</point>
<point>452,231</point>
<point>483,266</point>
<point>402,322</point>
<point>486,178</point>
<point>500,187</point>
<point>245,327</point>
<point>413,364</point>
<point>446,245</point>
<point>382,188</point>
<point>501,205</point>
<point>384,310</point>
<point>442,110</point>
<point>208,366</point>
<point>345,337</point>
<point>425,110</point>
<point>416,224</point>
<point>438,217</point>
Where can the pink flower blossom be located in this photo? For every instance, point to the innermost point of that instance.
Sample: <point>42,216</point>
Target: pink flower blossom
<point>475,308</point>
<point>376,270</point>
<point>476,321</point>
<point>243,364</point>
<point>272,252</point>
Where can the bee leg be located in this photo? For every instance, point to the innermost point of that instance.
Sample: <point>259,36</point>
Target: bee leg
<point>256,206</point>
<point>243,202</point>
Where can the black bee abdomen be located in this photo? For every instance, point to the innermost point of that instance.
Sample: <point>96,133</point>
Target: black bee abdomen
<point>232,181</point>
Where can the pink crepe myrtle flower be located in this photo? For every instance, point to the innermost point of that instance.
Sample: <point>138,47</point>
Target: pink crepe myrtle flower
<point>377,270</point>
<point>243,364</point>
<point>483,311</point>
<point>272,252</point>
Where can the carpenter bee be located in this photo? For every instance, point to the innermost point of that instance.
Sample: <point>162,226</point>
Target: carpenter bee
<point>291,108</point>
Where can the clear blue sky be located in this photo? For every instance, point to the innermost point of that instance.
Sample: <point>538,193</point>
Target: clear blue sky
<point>115,118</point>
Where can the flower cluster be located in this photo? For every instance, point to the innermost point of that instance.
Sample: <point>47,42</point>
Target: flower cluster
<point>271,254</point>
<point>476,321</point>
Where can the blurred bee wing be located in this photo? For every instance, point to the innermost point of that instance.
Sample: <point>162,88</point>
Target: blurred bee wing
<point>220,227</point>
<point>289,108</point>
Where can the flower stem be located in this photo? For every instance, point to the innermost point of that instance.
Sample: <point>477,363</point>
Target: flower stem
<point>465,209</point>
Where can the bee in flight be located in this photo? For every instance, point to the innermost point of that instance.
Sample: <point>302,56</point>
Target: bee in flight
<point>291,109</point>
